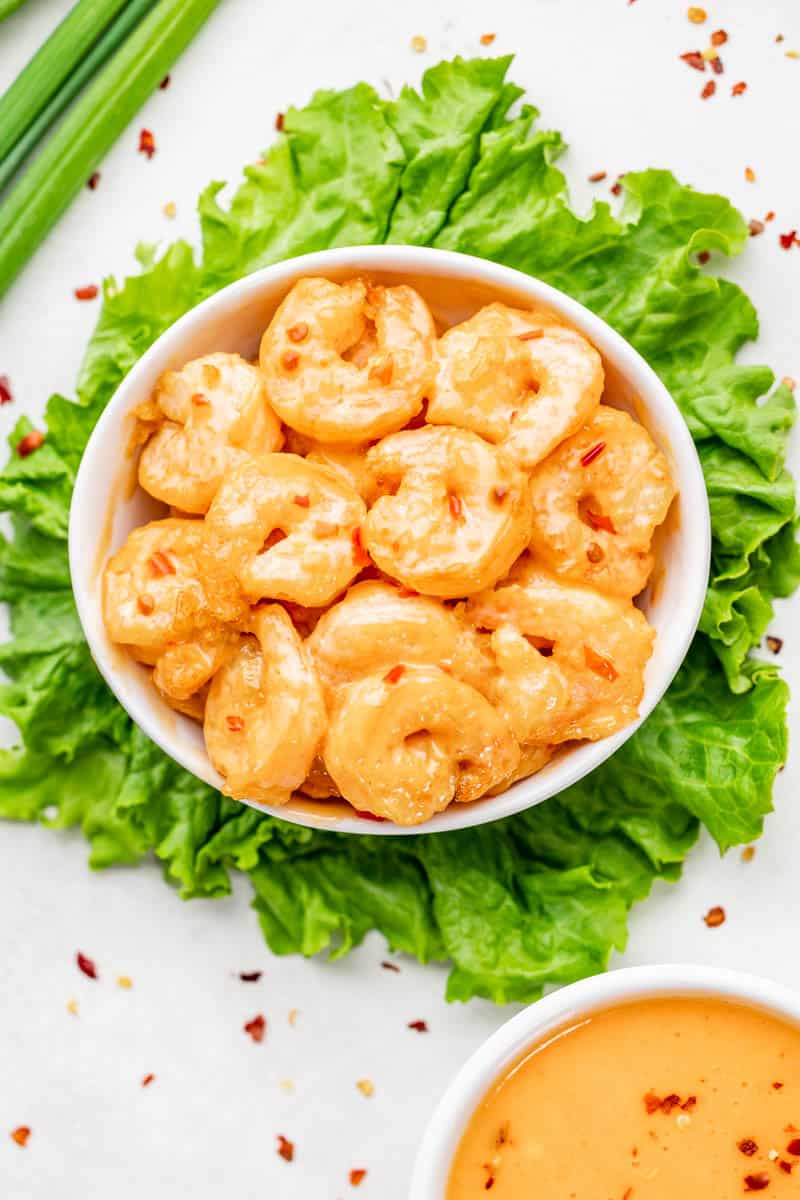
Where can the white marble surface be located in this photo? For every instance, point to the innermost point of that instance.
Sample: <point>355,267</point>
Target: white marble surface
<point>607,74</point>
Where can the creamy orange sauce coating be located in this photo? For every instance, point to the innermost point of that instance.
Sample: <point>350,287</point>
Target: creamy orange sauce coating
<point>669,1099</point>
<point>398,567</point>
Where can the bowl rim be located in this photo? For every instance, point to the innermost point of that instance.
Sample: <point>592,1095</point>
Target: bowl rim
<point>695,524</point>
<point>625,985</point>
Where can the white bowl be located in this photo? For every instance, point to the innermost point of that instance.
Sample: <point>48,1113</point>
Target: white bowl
<point>530,1027</point>
<point>107,505</point>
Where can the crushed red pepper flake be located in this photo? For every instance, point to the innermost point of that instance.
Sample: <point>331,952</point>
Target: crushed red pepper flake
<point>290,360</point>
<point>739,88</point>
<point>234,723</point>
<point>147,143</point>
<point>749,174</point>
<point>597,176</point>
<point>669,1102</point>
<point>594,553</point>
<point>689,1103</point>
<point>775,644</point>
<point>148,1079</point>
<point>93,180</point>
<point>530,335</point>
<point>696,15</point>
<point>86,965</point>
<point>747,1147</point>
<point>302,501</point>
<point>616,188</point>
<point>601,666</point>
<point>89,292</point>
<point>395,674</point>
<point>360,555</point>
<point>715,917</point>
<point>390,966</point>
<point>32,441</point>
<point>703,257</point>
<point>146,604</point>
<point>279,121</point>
<point>161,564</point>
<point>626,1195</point>
<point>786,1166</point>
<point>164,83</point>
<point>794,1147</point>
<point>756,1183</point>
<point>717,65</point>
<point>256,1028</point>
<point>708,90</point>
<point>21,1134</point>
<point>199,400</point>
<point>285,1148</point>
<point>358,1173</point>
<point>777,1086</point>
<point>755,227</point>
<point>748,854</point>
<point>592,454</point>
<point>787,240</point>
<point>6,395</point>
<point>250,976</point>
<point>297,333</point>
<point>418,1026</point>
<point>652,1103</point>
<point>499,493</point>
<point>770,215</point>
<point>455,506</point>
<point>600,521</point>
<point>694,58</point>
<point>719,37</point>
<point>367,816</point>
<point>487,38</point>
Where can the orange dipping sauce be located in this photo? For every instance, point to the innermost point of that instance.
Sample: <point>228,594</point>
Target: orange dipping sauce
<point>667,1099</point>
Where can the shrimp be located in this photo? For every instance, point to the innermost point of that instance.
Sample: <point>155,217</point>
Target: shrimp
<point>348,363</point>
<point>519,379</point>
<point>597,501</point>
<point>457,513</point>
<point>403,745</point>
<point>532,759</point>
<point>283,529</point>
<point>152,590</point>
<point>182,669</point>
<point>349,463</point>
<point>600,643</point>
<point>194,706</point>
<point>265,715</point>
<point>318,784</point>
<point>204,418</point>
<point>533,692</point>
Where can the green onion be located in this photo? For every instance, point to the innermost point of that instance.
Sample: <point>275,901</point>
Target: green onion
<point>51,66</point>
<point>102,49</point>
<point>91,127</point>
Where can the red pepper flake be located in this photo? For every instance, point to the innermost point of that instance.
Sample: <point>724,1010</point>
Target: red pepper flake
<point>708,90</point>
<point>146,604</point>
<point>689,1103</point>
<point>21,1134</point>
<point>770,216</point>
<point>6,395</point>
<point>256,1028</point>
<point>499,493</point>
<point>199,400</point>
<point>703,257</point>
<point>302,501</point>
<point>93,180</point>
<point>234,723</point>
<point>250,976</point>
<point>748,854</point>
<point>786,1166</point>
<point>719,37</point>
<point>360,555</point>
<point>787,240</point>
<point>694,58</point>
<point>777,1086</point>
<point>290,360</point>
<point>616,188</point>
<point>148,1079</point>
<point>594,553</point>
<point>794,1147</point>
<point>715,917</point>
<point>738,88</point>
<point>298,332</point>
<point>390,966</point>
<point>775,644</point>
<point>395,674</point>
<point>358,1173</point>
<point>749,174</point>
<point>747,1146</point>
<point>285,1148</point>
<point>164,83</point>
<point>652,1103</point>
<point>592,454</point>
<point>456,507</point>
<point>368,816</point>
<point>147,143</point>
<point>597,176</point>
<point>487,38</point>
<point>600,521</point>
<point>86,965</point>
<point>161,564</point>
<point>601,666</point>
<point>755,227</point>
<point>279,122</point>
<point>86,293</point>
<point>419,1026</point>
<point>32,441</point>
<point>716,65</point>
<point>756,1183</point>
<point>669,1102</point>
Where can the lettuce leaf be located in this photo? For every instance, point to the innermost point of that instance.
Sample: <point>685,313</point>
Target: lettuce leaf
<point>543,897</point>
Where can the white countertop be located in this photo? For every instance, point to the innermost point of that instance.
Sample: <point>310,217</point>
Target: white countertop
<point>607,75</point>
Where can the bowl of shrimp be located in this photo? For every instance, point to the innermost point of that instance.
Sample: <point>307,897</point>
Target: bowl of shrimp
<point>388,538</point>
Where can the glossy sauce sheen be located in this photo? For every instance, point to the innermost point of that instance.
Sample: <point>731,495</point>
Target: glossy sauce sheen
<point>570,1121</point>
